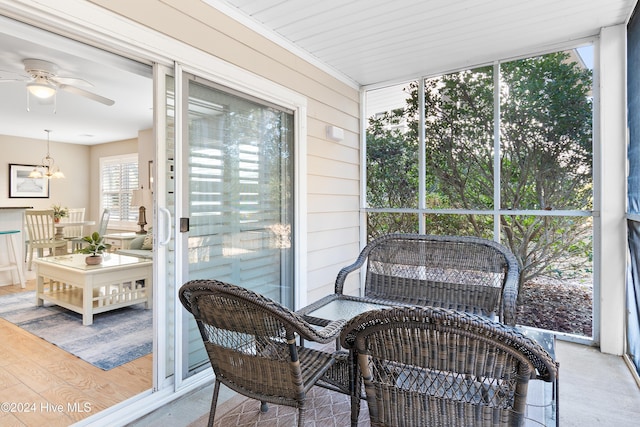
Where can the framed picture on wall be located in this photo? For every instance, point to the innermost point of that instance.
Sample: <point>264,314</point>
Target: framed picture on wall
<point>21,186</point>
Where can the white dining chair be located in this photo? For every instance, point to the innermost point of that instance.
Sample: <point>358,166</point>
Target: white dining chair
<point>78,242</point>
<point>40,226</point>
<point>74,231</point>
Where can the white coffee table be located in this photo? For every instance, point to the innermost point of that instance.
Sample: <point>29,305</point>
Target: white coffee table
<point>118,282</point>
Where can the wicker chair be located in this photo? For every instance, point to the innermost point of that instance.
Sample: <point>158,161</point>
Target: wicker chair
<point>462,273</point>
<point>251,343</point>
<point>430,366</point>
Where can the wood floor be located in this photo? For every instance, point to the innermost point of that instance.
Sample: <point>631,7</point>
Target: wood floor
<point>41,384</point>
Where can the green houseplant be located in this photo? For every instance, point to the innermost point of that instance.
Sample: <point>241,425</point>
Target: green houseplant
<point>59,212</point>
<point>95,247</point>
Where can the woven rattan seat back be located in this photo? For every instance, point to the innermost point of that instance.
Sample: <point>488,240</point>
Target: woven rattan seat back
<point>430,366</point>
<point>251,343</point>
<point>462,273</point>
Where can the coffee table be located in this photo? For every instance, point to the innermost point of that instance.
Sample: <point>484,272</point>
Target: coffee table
<point>67,281</point>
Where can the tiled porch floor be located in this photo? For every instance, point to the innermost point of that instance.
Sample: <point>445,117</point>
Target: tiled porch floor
<point>595,390</point>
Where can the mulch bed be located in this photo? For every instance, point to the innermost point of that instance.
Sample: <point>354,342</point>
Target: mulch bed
<point>556,305</point>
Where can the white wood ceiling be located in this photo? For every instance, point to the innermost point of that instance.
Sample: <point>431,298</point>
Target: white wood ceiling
<point>371,42</point>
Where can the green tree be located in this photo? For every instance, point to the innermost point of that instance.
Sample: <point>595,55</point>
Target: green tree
<point>392,173</point>
<point>545,156</point>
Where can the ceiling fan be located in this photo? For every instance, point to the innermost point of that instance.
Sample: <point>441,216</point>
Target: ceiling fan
<point>43,81</point>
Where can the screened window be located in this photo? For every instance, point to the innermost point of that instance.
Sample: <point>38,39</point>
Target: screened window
<point>118,179</point>
<point>502,152</point>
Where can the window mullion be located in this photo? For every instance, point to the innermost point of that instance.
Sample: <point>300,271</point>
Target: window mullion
<point>422,167</point>
<point>496,152</point>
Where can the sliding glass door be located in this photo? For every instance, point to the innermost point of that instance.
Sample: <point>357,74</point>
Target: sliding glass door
<point>228,189</point>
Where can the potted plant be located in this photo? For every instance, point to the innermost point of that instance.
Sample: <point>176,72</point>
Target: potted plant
<point>59,212</point>
<point>95,247</point>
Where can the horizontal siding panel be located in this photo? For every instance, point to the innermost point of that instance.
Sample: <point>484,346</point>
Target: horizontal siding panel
<point>317,131</point>
<point>318,222</point>
<point>321,150</point>
<point>333,168</point>
<point>332,203</point>
<point>331,115</point>
<point>329,185</point>
<point>337,239</point>
<point>328,256</point>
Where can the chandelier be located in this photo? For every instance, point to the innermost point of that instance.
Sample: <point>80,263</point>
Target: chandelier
<point>48,166</point>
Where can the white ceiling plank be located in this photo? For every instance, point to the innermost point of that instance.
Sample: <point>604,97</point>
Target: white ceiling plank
<point>372,41</point>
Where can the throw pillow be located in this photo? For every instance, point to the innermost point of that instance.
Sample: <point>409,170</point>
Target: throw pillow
<point>147,244</point>
<point>137,242</point>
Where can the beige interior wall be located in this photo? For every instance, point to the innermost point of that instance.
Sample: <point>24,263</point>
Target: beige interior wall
<point>81,166</point>
<point>333,167</point>
<point>73,160</point>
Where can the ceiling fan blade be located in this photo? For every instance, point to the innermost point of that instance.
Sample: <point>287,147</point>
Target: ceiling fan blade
<point>71,81</point>
<point>10,76</point>
<point>87,94</point>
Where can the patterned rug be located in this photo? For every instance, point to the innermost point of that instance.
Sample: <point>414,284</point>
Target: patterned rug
<point>115,338</point>
<point>325,408</point>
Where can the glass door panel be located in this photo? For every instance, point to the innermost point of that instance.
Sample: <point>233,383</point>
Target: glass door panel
<point>238,164</point>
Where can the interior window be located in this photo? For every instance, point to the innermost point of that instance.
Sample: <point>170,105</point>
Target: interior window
<point>118,179</point>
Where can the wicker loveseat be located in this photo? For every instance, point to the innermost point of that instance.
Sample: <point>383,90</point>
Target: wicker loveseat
<point>463,273</point>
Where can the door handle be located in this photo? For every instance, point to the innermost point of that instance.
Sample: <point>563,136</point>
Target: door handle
<point>167,218</point>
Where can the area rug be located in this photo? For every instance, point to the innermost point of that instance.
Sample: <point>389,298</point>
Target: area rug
<point>115,337</point>
<point>323,408</point>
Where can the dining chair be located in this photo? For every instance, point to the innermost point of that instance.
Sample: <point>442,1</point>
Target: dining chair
<point>104,222</point>
<point>74,231</point>
<point>251,343</point>
<point>431,366</point>
<point>78,242</point>
<point>41,231</point>
<point>459,272</point>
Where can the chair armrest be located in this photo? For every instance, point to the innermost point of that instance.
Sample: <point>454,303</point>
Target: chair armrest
<point>327,334</point>
<point>510,291</point>
<point>344,272</point>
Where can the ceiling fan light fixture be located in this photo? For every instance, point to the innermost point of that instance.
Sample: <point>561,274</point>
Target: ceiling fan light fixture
<point>40,88</point>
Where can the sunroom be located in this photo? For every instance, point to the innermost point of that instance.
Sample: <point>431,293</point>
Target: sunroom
<point>404,116</point>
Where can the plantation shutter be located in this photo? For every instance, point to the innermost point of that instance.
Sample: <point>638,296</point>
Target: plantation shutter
<point>119,177</point>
